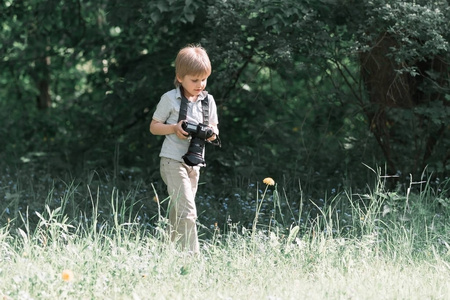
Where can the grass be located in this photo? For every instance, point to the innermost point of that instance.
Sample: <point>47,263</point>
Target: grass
<point>373,245</point>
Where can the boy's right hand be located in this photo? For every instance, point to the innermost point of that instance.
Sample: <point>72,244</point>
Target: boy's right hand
<point>178,130</point>
<point>159,128</point>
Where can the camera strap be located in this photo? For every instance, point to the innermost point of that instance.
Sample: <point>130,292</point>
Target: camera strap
<point>184,107</point>
<point>205,111</point>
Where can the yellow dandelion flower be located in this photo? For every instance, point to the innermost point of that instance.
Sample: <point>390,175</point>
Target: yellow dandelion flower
<point>269,181</point>
<point>67,275</point>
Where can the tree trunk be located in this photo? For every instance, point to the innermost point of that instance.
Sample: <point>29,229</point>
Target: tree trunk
<point>44,100</point>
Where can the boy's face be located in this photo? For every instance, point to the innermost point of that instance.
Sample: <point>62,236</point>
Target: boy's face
<point>193,85</point>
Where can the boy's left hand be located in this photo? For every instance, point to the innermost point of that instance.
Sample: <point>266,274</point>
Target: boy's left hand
<point>212,138</point>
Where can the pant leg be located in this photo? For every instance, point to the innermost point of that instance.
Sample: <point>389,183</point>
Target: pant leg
<point>182,182</point>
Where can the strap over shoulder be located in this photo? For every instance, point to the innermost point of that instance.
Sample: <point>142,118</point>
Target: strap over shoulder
<point>184,107</point>
<point>205,110</point>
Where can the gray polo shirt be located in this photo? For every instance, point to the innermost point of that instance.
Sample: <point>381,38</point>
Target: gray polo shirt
<point>167,112</point>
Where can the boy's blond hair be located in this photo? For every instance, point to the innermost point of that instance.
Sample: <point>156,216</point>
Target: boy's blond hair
<point>191,60</point>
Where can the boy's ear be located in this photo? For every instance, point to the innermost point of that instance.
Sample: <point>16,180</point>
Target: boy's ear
<point>180,80</point>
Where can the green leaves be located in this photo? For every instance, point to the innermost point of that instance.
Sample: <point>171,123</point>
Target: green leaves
<point>420,30</point>
<point>184,11</point>
<point>286,78</point>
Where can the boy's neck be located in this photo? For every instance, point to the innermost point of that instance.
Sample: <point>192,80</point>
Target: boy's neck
<point>189,98</point>
<point>192,98</point>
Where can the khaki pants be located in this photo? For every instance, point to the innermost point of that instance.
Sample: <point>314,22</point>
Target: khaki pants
<point>182,182</point>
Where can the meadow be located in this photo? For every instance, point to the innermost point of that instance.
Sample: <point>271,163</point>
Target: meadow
<point>371,244</point>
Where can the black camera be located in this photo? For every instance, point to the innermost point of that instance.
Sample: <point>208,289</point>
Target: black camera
<point>199,133</point>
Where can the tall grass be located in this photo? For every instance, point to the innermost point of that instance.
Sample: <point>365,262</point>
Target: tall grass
<point>374,245</point>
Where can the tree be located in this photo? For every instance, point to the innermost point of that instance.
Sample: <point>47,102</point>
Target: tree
<point>404,63</point>
<point>307,85</point>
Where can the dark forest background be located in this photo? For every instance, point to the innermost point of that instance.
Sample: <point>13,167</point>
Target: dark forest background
<point>314,94</point>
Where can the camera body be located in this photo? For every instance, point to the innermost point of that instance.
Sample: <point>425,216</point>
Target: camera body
<point>199,133</point>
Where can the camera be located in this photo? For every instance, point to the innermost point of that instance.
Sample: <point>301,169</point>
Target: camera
<point>199,133</point>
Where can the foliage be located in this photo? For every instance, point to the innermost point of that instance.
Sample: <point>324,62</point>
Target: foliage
<point>404,46</point>
<point>77,93</point>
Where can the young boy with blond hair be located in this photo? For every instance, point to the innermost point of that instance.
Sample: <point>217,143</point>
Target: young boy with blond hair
<point>192,69</point>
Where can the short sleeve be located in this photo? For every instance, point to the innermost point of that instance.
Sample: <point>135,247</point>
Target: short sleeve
<point>213,118</point>
<point>167,109</point>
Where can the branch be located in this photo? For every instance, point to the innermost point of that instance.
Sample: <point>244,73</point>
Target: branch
<point>237,76</point>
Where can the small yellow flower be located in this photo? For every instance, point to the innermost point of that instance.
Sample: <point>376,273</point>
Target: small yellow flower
<point>269,181</point>
<point>67,275</point>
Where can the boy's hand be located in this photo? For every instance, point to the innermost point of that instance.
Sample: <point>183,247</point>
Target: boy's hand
<point>178,130</point>
<point>212,138</point>
<point>159,128</point>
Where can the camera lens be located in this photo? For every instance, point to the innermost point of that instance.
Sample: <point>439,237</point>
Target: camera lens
<point>194,155</point>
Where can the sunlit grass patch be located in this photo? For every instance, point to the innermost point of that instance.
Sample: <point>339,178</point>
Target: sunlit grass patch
<point>374,245</point>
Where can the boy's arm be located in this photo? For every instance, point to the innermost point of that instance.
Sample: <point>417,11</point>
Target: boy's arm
<point>159,128</point>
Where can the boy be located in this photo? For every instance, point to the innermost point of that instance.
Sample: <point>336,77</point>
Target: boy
<point>192,69</point>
